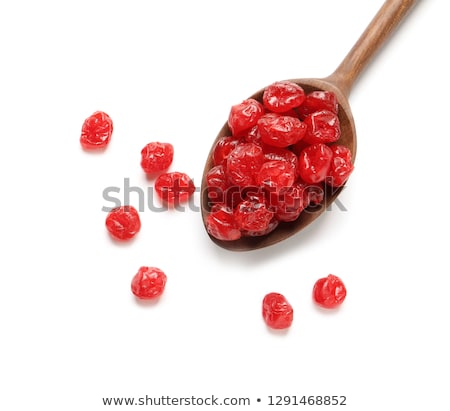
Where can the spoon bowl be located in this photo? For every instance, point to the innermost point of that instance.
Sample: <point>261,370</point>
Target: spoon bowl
<point>340,82</point>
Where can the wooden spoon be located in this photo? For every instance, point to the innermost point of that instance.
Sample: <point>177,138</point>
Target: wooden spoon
<point>340,82</point>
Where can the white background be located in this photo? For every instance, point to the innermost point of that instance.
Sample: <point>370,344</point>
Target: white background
<point>70,330</point>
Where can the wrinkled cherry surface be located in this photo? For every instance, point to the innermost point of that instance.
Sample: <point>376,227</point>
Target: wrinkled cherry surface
<point>277,312</point>
<point>243,163</point>
<point>282,96</point>
<point>329,292</point>
<point>314,163</point>
<point>276,174</point>
<point>280,131</point>
<point>148,283</point>
<point>322,127</point>
<point>221,223</point>
<point>316,101</point>
<point>253,216</point>
<point>123,223</point>
<point>96,131</point>
<point>156,157</point>
<point>341,166</point>
<point>281,157</point>
<point>224,147</point>
<point>244,116</point>
<point>174,188</point>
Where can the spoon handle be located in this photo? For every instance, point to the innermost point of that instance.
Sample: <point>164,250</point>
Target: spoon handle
<point>377,32</point>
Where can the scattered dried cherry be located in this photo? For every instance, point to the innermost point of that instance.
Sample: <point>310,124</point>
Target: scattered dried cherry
<point>277,312</point>
<point>174,188</point>
<point>148,283</point>
<point>96,131</point>
<point>123,223</point>
<point>329,292</point>
<point>156,157</point>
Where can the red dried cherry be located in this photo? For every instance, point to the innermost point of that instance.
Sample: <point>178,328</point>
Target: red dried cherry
<point>222,148</point>
<point>253,216</point>
<point>322,127</point>
<point>243,116</point>
<point>290,202</point>
<point>276,153</point>
<point>329,292</point>
<point>277,312</point>
<point>314,162</point>
<point>174,188</point>
<point>283,96</point>
<point>280,131</point>
<point>123,223</point>
<point>96,131</point>
<point>243,163</point>
<point>276,174</point>
<point>252,135</point>
<point>156,157</point>
<point>341,166</point>
<point>221,224</point>
<point>148,283</point>
<point>318,100</point>
<point>216,182</point>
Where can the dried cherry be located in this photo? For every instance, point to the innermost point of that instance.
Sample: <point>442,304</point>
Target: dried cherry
<point>322,127</point>
<point>314,163</point>
<point>123,223</point>
<point>243,163</point>
<point>280,131</point>
<point>148,283</point>
<point>245,115</point>
<point>156,157</point>
<point>253,216</point>
<point>329,292</point>
<point>275,175</point>
<point>174,188</point>
<point>223,148</point>
<point>341,166</point>
<point>316,101</point>
<point>221,223</point>
<point>283,96</point>
<point>277,312</point>
<point>96,131</point>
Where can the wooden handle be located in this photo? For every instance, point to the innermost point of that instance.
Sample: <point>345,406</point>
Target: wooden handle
<point>377,32</point>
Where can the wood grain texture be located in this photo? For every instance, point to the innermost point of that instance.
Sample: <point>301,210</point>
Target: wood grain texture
<point>380,29</point>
